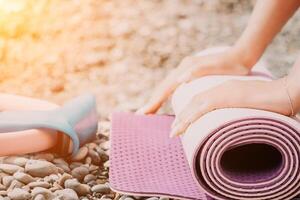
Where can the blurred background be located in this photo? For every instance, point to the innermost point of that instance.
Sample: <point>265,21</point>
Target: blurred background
<point>117,49</point>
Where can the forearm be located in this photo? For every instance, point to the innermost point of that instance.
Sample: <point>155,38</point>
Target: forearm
<point>268,18</point>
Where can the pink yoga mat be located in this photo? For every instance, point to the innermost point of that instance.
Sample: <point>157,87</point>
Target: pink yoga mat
<point>232,153</point>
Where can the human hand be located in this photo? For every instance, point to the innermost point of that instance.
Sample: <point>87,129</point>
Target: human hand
<point>264,95</point>
<point>191,67</point>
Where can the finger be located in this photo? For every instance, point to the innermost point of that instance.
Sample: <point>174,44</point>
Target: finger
<point>183,119</point>
<point>160,95</point>
<point>182,125</point>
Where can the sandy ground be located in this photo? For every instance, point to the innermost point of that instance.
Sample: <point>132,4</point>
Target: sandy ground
<point>118,50</point>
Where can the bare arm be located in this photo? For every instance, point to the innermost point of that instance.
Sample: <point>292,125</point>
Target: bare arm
<point>267,19</point>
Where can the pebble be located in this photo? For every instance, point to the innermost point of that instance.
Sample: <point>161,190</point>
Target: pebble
<point>71,183</point>
<point>81,154</point>
<point>60,161</point>
<point>128,198</point>
<point>15,184</point>
<point>104,157</point>
<point>43,191</point>
<point>19,194</point>
<point>63,178</point>
<point>10,169</point>
<point>96,159</point>
<point>81,189</point>
<point>24,178</point>
<point>101,188</point>
<point>40,168</point>
<point>6,180</point>
<point>39,197</point>
<point>15,160</point>
<point>152,198</point>
<point>55,187</point>
<point>92,146</point>
<point>163,198</point>
<point>75,164</point>
<point>65,168</point>
<point>2,187</point>
<point>106,164</point>
<point>80,172</point>
<point>88,160</point>
<point>93,168</point>
<point>89,177</point>
<point>67,194</point>
<point>39,184</point>
<point>105,145</point>
<point>4,198</point>
<point>2,174</point>
<point>51,178</point>
<point>44,156</point>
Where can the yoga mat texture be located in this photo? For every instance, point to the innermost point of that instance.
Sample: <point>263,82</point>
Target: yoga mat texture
<point>232,153</point>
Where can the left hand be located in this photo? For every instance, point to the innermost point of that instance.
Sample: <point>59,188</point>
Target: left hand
<point>264,95</point>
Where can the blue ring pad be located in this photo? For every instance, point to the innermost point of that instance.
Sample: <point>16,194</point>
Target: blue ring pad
<point>76,119</point>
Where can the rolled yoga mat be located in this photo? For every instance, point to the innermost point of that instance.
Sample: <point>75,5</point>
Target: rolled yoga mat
<point>232,153</point>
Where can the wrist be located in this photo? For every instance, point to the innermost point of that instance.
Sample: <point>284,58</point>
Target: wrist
<point>293,88</point>
<point>246,56</point>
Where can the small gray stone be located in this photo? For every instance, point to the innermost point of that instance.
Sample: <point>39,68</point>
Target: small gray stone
<point>2,187</point>
<point>15,160</point>
<point>81,154</point>
<point>6,180</point>
<point>105,145</point>
<point>60,161</point>
<point>67,194</point>
<point>15,184</point>
<point>55,187</point>
<point>95,157</point>
<point>39,197</point>
<point>4,198</point>
<point>44,156</point>
<point>63,178</point>
<point>80,172</point>
<point>43,191</point>
<point>75,164</point>
<point>101,188</point>
<point>42,184</point>
<point>89,177</point>
<point>19,194</point>
<point>10,169</point>
<point>71,183</point>
<point>163,198</point>
<point>51,178</point>
<point>81,189</point>
<point>24,178</point>
<point>40,168</point>
<point>152,198</point>
<point>65,168</point>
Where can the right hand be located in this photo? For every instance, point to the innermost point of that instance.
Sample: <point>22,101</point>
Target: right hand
<point>192,67</point>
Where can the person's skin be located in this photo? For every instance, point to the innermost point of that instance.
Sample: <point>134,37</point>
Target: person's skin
<point>268,18</point>
<point>11,102</point>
